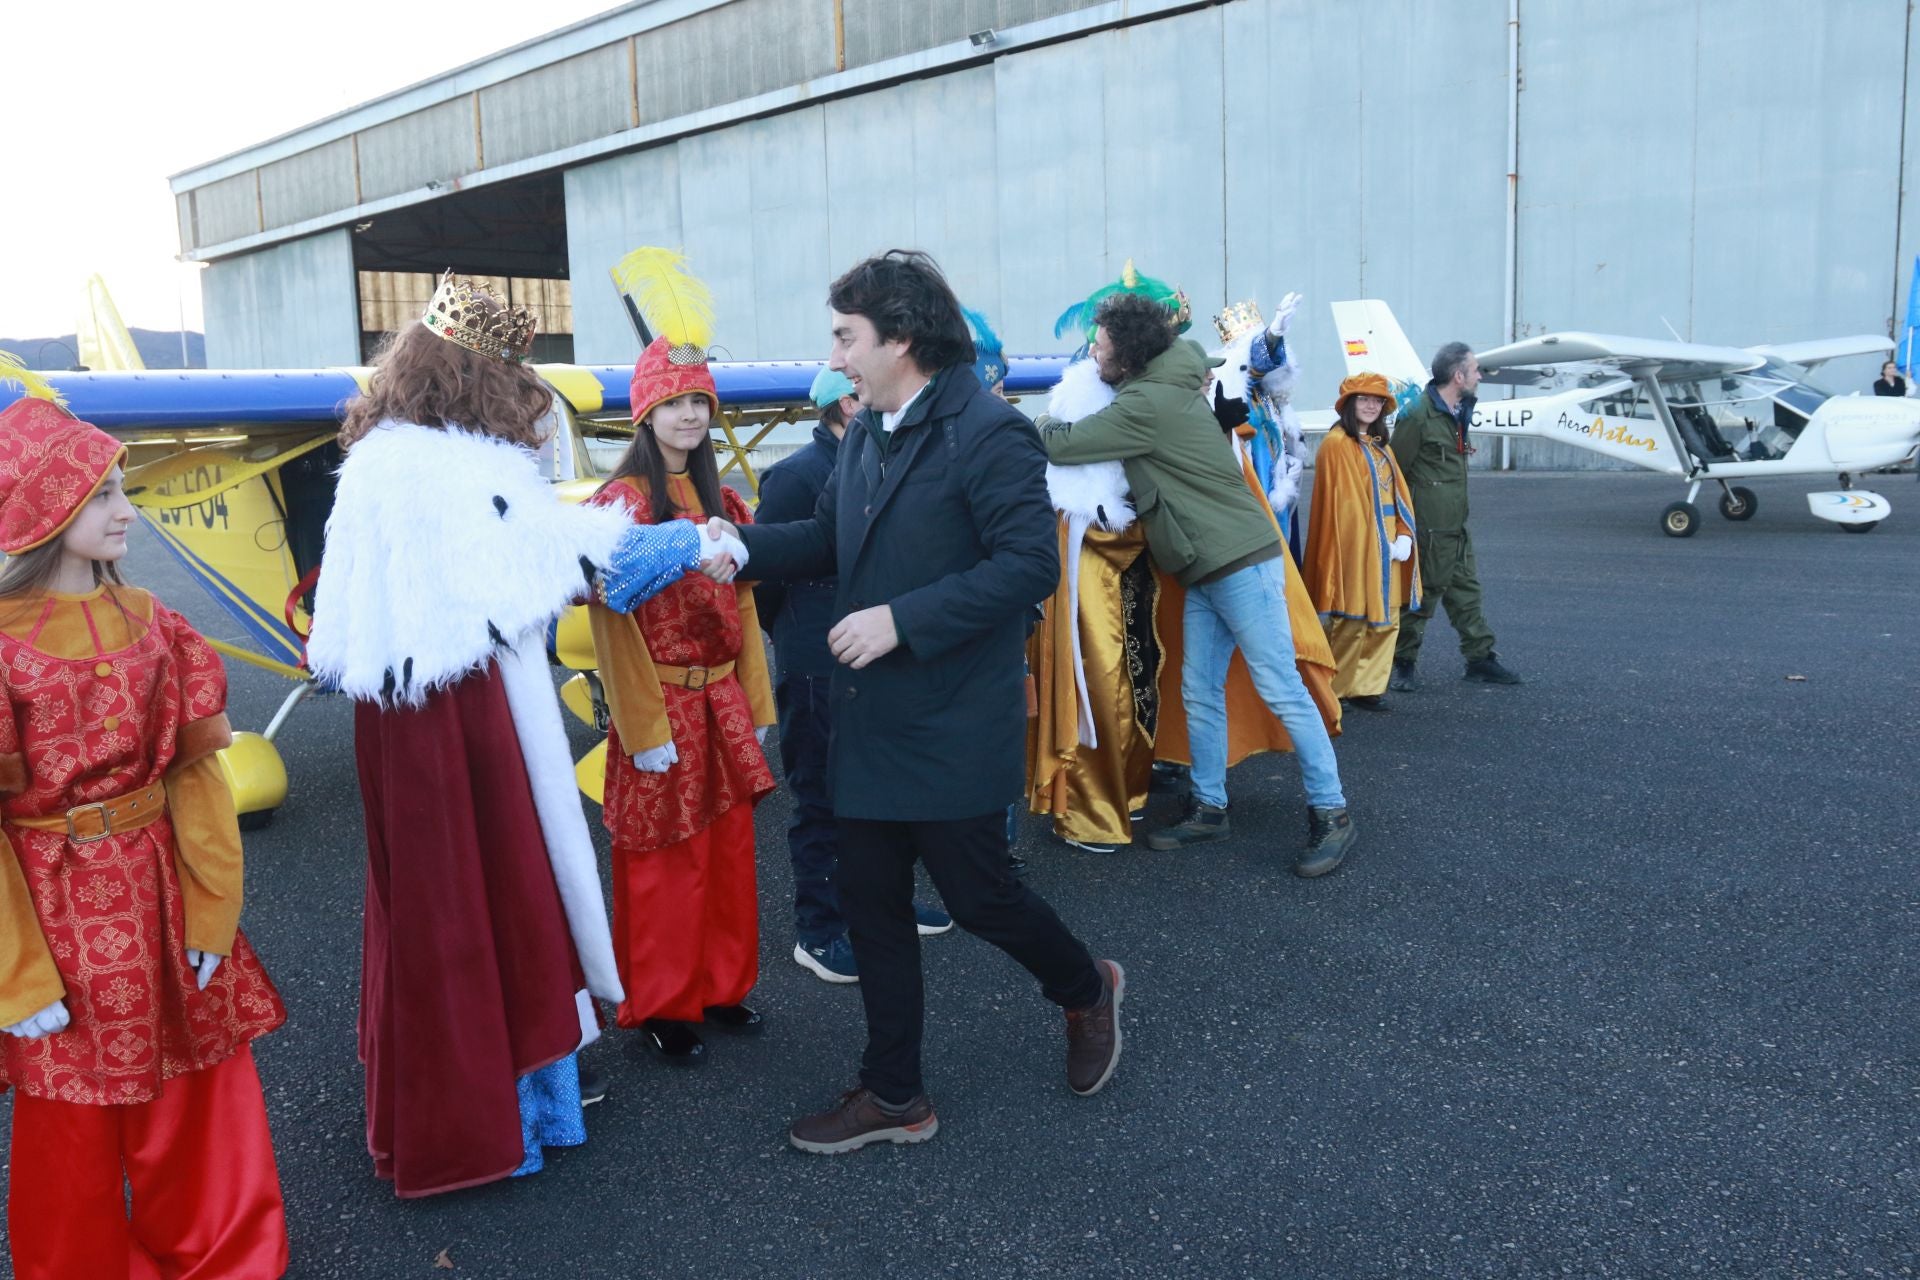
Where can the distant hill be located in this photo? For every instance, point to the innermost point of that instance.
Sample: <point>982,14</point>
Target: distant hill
<point>159,348</point>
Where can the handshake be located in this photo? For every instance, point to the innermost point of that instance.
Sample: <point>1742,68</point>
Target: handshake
<point>722,554</point>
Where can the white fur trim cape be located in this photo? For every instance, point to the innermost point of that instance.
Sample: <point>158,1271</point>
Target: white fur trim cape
<point>448,552</point>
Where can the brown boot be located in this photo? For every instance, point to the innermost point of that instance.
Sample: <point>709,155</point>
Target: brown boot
<point>858,1119</point>
<point>1093,1034</point>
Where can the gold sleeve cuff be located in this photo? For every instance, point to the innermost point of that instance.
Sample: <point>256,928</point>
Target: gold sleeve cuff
<point>207,853</point>
<point>13,777</point>
<point>29,982</point>
<point>201,738</point>
<point>629,679</point>
<point>751,667</point>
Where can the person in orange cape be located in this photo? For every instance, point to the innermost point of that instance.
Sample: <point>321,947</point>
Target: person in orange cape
<point>128,994</point>
<point>1359,568</point>
<point>687,683</point>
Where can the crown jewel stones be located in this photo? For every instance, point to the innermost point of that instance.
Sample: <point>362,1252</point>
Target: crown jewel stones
<point>1237,321</point>
<point>464,311</point>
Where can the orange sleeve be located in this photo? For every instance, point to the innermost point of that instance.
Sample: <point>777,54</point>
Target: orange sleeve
<point>628,678</point>
<point>207,853</point>
<point>751,666</point>
<point>29,982</point>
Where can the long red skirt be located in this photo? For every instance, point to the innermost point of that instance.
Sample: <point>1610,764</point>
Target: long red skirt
<point>468,972</point>
<point>206,1195</point>
<point>686,925</point>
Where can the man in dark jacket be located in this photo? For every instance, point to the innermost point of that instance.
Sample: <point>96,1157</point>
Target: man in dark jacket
<point>799,614</point>
<point>938,524</point>
<point>1430,443</point>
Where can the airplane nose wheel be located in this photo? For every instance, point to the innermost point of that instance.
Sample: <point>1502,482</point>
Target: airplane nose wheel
<point>1680,520</point>
<point>1738,503</point>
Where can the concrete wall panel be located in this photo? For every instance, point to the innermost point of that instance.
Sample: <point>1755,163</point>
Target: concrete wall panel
<point>717,230</point>
<point>227,209</point>
<point>289,307</point>
<point>432,145</point>
<point>308,184</point>
<point>737,51</point>
<point>557,106</point>
<point>882,29</point>
<point>956,182</point>
<point>613,207</point>
<point>786,299</point>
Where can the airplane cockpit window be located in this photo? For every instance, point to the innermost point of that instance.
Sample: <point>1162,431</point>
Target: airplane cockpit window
<point>1797,389</point>
<point>1752,416</point>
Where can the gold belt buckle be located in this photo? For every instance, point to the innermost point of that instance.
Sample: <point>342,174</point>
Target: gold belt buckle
<point>703,677</point>
<point>106,823</point>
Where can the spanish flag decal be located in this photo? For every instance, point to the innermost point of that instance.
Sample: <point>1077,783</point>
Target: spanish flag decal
<point>1356,346</point>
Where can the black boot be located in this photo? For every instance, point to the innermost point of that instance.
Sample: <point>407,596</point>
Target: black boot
<point>1330,833</point>
<point>1404,681</point>
<point>1488,670</point>
<point>1198,823</point>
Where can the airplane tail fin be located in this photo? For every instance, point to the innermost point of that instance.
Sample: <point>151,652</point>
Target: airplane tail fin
<point>102,336</point>
<point>1372,341</point>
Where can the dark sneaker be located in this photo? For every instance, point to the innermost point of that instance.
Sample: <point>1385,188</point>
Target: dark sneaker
<point>677,1042</point>
<point>829,962</point>
<point>1488,670</point>
<point>1330,833</point>
<point>1093,1034</point>
<point>1089,846</point>
<point>593,1086</point>
<point>1403,681</point>
<point>1367,702</point>
<point>1170,778</point>
<point>1198,823</point>
<point>858,1119</point>
<point>930,920</point>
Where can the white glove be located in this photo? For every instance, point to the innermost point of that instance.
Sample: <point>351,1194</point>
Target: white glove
<point>204,963</point>
<point>1402,547</point>
<point>44,1023</point>
<point>732,546</point>
<point>760,734</point>
<point>1283,315</point>
<point>657,759</point>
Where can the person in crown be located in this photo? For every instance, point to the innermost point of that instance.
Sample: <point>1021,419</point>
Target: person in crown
<point>447,557</point>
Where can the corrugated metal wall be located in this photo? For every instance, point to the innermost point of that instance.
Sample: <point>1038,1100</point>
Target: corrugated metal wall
<point>289,307</point>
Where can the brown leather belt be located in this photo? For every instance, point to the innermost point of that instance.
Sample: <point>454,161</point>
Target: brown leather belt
<point>87,823</point>
<point>692,677</point>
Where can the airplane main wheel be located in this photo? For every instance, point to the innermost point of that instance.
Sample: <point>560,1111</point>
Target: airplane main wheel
<point>1738,503</point>
<point>1868,527</point>
<point>258,820</point>
<point>1681,520</point>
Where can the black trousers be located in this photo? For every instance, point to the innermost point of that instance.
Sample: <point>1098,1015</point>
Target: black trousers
<point>967,861</point>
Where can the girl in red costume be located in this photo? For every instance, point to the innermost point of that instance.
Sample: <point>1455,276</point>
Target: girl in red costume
<point>686,681</point>
<point>128,995</point>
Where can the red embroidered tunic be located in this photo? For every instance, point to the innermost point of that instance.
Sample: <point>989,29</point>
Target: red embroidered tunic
<point>107,693</point>
<point>694,622</point>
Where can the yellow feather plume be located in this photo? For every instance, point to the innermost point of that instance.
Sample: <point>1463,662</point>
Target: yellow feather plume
<point>14,372</point>
<point>675,303</point>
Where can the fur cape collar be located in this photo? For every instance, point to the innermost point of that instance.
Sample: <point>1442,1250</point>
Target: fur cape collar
<point>1094,493</point>
<point>443,547</point>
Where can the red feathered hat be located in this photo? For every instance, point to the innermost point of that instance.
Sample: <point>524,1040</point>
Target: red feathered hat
<point>50,464</point>
<point>666,372</point>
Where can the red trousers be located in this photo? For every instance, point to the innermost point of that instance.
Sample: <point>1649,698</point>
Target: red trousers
<point>686,922</point>
<point>206,1195</point>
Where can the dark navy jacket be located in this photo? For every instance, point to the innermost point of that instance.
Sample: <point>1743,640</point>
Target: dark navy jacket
<point>799,614</point>
<point>956,533</point>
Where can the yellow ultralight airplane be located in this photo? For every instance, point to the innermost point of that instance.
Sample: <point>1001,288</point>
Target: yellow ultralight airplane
<point>234,472</point>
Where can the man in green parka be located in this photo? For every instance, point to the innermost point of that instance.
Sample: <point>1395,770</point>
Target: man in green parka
<point>1430,441</point>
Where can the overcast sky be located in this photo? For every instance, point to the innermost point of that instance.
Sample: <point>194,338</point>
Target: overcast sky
<point>101,101</point>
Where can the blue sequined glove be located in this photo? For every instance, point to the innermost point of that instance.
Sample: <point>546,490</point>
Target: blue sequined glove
<point>650,558</point>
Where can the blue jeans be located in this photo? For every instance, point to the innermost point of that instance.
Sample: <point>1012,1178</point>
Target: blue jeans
<point>805,705</point>
<point>1248,609</point>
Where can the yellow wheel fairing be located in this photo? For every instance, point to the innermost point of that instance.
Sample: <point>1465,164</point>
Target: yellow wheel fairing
<point>254,772</point>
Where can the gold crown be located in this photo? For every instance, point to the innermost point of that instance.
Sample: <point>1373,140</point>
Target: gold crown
<point>466,312</point>
<point>1237,321</point>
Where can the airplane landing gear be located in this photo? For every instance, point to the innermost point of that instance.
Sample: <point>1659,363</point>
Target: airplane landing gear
<point>1737,503</point>
<point>1680,520</point>
<point>1868,527</point>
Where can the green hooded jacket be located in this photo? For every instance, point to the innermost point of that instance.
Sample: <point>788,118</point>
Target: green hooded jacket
<point>1432,451</point>
<point>1188,488</point>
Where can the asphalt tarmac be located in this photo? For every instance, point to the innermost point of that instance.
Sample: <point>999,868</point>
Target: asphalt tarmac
<point>1620,980</point>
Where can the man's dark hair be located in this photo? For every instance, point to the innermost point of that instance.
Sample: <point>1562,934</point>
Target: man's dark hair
<point>1449,360</point>
<point>1138,327</point>
<point>903,293</point>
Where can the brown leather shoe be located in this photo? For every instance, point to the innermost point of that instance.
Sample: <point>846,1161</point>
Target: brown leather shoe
<point>1093,1034</point>
<point>857,1119</point>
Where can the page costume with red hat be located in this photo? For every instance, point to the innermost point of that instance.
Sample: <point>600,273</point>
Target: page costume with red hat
<point>122,856</point>
<point>1361,510</point>
<point>448,556</point>
<point>687,684</point>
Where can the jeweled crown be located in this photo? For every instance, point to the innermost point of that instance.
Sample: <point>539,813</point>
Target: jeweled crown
<point>466,312</point>
<point>1237,321</point>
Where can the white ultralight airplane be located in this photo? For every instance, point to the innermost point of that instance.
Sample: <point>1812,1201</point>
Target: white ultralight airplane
<point>1686,409</point>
